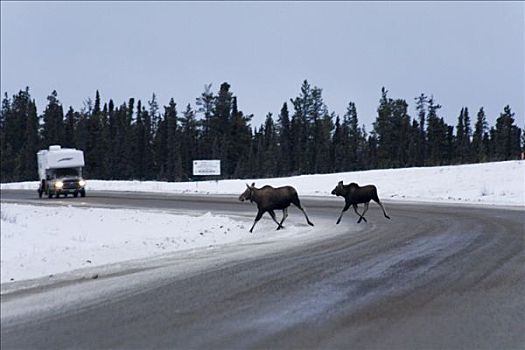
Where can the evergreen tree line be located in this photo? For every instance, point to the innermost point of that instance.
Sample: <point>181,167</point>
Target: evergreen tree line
<point>146,142</point>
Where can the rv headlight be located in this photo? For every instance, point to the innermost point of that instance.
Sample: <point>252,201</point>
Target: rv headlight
<point>82,183</point>
<point>59,184</point>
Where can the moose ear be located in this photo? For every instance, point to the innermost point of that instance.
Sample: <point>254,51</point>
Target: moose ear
<point>253,184</point>
<point>247,185</point>
<point>340,183</point>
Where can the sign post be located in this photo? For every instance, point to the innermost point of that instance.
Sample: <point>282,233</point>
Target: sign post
<point>207,168</point>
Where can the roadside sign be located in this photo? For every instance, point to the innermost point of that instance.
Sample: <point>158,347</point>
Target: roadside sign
<point>206,167</point>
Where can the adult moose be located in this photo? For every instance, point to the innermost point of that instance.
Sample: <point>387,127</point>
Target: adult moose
<point>269,199</point>
<point>354,195</point>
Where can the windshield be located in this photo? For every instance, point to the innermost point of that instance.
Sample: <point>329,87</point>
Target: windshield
<point>63,172</point>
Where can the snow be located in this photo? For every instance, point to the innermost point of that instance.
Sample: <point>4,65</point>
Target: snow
<point>496,183</point>
<point>41,241</point>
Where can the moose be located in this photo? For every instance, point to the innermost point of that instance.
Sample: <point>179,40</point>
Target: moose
<point>269,199</point>
<point>354,195</point>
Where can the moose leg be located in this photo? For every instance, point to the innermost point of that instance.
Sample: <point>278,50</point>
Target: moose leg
<point>347,205</point>
<point>257,218</point>
<point>272,214</point>
<point>297,203</point>
<point>285,215</point>
<point>364,211</point>
<point>306,216</point>
<point>360,216</point>
<point>381,205</point>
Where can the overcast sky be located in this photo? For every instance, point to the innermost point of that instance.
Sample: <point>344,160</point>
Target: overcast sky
<point>464,53</point>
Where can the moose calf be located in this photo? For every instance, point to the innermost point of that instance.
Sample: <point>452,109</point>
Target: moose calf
<point>354,195</point>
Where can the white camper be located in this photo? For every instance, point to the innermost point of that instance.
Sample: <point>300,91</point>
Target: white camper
<point>60,172</point>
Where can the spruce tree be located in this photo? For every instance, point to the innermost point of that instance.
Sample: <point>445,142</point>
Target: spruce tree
<point>160,146</point>
<point>256,160</point>
<point>123,147</point>
<point>507,137</point>
<point>154,115</point>
<point>459,140</point>
<point>463,136</point>
<point>240,137</point>
<point>81,131</point>
<point>301,130</point>
<point>173,159</point>
<point>339,147</point>
<point>420,145</point>
<point>467,136</point>
<point>105,144</point>
<point>129,140</point>
<point>112,133</point>
<point>320,128</point>
<point>150,119</point>
<point>7,154</point>
<point>148,146</point>
<point>285,142</point>
<point>449,151</point>
<point>20,137</point>
<point>205,106</point>
<point>384,131</point>
<point>413,151</point>
<point>479,146</point>
<point>372,154</point>
<point>401,138</point>
<point>53,127</point>
<point>392,128</point>
<point>70,123</point>
<point>269,147</point>
<point>16,122</point>
<point>355,152</point>
<point>220,129</point>
<point>140,143</point>
<point>27,159</point>
<point>96,139</point>
<point>436,135</point>
<point>188,141</point>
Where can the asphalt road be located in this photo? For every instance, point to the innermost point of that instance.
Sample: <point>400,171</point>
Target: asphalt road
<point>434,277</point>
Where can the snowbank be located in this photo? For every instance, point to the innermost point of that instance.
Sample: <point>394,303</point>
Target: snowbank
<point>39,241</point>
<point>501,183</point>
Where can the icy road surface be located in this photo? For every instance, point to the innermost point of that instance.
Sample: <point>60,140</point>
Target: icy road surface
<point>434,277</point>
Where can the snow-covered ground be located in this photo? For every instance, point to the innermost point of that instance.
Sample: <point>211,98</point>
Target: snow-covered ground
<point>38,241</point>
<point>499,183</point>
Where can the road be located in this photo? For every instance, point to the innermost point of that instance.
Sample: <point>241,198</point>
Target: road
<point>434,277</point>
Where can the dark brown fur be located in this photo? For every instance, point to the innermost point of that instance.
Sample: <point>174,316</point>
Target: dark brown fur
<point>354,195</point>
<point>269,199</point>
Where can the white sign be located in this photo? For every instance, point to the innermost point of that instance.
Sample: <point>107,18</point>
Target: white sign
<point>206,167</point>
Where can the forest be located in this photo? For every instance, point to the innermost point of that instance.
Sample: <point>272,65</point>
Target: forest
<point>144,141</point>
